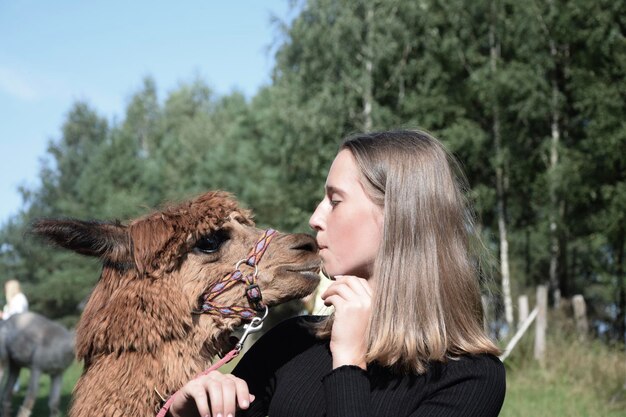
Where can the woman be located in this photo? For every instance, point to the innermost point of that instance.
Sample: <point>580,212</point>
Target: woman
<point>406,337</point>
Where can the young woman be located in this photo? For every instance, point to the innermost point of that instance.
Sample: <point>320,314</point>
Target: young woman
<point>406,337</point>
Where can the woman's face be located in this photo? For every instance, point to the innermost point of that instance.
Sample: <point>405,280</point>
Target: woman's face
<point>348,224</point>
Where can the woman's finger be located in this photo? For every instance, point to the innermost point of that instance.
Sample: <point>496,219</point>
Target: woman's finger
<point>229,397</point>
<point>363,285</point>
<point>200,398</point>
<point>216,399</point>
<point>335,301</point>
<point>340,290</point>
<point>359,285</point>
<point>353,292</point>
<point>244,398</point>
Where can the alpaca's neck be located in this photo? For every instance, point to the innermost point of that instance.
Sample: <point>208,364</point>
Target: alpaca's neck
<point>125,382</point>
<point>144,337</point>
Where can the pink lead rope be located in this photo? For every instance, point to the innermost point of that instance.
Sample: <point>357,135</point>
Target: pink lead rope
<point>163,411</point>
<point>255,325</point>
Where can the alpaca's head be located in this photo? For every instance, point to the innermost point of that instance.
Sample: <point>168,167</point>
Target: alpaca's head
<point>156,269</point>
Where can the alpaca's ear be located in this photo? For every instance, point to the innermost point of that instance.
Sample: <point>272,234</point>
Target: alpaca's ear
<point>108,241</point>
<point>152,240</point>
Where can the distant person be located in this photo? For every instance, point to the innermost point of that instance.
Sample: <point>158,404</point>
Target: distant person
<point>16,300</point>
<point>16,304</point>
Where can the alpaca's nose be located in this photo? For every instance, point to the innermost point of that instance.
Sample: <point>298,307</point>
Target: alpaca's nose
<point>305,243</point>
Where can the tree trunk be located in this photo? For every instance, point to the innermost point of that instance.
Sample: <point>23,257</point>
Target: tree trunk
<point>564,273</point>
<point>621,282</point>
<point>527,255</point>
<point>368,96</point>
<point>555,248</point>
<point>494,48</point>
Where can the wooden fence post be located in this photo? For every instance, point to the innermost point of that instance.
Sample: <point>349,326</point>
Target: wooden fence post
<point>520,332</point>
<point>541,324</point>
<point>522,305</point>
<point>580,315</point>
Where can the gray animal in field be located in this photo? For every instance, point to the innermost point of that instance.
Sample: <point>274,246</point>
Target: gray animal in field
<point>29,340</point>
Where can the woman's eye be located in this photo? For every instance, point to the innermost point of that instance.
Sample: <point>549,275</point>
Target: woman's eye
<point>334,200</point>
<point>211,243</point>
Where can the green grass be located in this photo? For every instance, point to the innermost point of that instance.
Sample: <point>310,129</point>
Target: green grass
<point>41,405</point>
<point>69,380</point>
<point>539,393</point>
<point>579,380</point>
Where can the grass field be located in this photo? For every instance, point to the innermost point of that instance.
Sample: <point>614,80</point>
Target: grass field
<point>41,405</point>
<point>539,393</point>
<point>579,380</point>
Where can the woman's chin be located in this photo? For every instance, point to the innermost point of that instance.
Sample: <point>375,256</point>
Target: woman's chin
<point>328,274</point>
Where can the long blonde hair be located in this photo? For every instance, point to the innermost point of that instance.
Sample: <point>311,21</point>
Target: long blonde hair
<point>11,289</point>
<point>427,303</point>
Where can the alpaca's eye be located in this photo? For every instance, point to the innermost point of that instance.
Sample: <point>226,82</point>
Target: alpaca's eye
<point>211,243</point>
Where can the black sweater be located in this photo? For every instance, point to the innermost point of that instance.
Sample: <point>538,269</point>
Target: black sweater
<point>290,373</point>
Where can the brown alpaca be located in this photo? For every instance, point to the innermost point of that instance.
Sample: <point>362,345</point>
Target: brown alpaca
<point>139,331</point>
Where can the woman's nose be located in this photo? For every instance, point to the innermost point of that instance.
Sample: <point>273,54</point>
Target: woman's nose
<point>316,218</point>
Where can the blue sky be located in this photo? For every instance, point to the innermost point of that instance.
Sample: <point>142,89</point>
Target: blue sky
<point>53,53</point>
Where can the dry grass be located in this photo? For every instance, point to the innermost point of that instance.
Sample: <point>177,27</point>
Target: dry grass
<point>580,379</point>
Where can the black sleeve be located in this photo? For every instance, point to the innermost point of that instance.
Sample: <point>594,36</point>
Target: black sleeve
<point>260,363</point>
<point>473,387</point>
<point>347,392</point>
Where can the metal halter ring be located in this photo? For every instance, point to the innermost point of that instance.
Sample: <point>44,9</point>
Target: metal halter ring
<point>254,326</point>
<point>256,268</point>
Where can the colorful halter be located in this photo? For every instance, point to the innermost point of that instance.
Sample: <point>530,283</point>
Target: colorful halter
<point>253,292</point>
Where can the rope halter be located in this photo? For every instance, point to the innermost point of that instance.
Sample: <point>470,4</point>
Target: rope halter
<point>252,290</point>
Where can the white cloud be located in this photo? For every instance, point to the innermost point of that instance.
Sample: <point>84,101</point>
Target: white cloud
<point>22,82</point>
<point>16,85</point>
<point>19,82</point>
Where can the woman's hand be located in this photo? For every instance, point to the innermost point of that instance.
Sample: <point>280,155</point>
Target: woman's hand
<point>214,394</point>
<point>352,298</point>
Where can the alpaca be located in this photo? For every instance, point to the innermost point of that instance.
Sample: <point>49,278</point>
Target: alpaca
<point>32,341</point>
<point>141,331</point>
